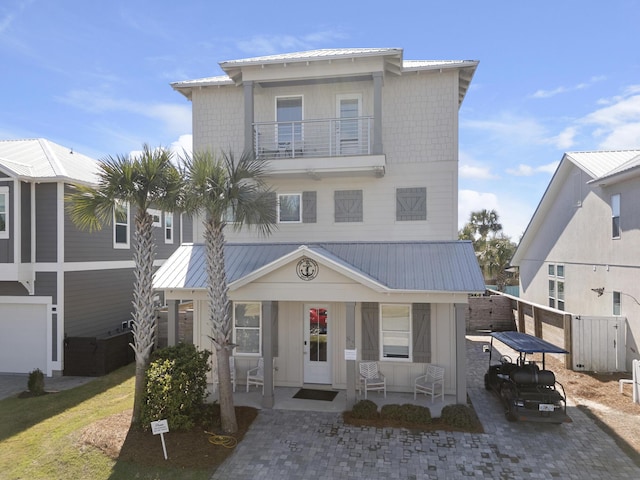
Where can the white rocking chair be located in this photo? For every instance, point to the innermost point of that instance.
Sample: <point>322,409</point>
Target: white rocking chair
<point>371,378</point>
<point>429,382</point>
<point>255,376</point>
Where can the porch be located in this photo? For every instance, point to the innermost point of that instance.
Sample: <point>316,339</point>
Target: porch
<point>283,400</point>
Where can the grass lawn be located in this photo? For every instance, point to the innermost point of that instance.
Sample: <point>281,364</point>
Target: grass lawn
<point>45,437</point>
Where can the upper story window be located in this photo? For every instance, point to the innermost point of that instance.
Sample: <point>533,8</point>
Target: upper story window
<point>156,217</point>
<point>411,204</point>
<point>168,227</point>
<point>121,217</point>
<point>617,302</point>
<point>395,332</point>
<point>247,327</point>
<point>615,215</point>
<point>4,212</point>
<point>290,208</point>
<point>289,118</point>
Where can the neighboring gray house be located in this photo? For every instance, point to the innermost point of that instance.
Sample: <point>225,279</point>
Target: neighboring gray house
<point>581,253</point>
<point>365,264</point>
<point>57,281</point>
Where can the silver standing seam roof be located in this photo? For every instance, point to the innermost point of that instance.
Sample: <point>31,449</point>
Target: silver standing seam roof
<point>403,266</point>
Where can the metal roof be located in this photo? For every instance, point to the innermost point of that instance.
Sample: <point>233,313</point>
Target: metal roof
<point>404,266</point>
<point>321,54</point>
<point>524,343</point>
<point>40,159</point>
<point>599,164</point>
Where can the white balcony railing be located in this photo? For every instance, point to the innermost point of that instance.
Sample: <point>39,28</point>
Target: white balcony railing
<point>333,137</point>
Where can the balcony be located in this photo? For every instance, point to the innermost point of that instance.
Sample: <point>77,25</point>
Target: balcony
<point>319,147</point>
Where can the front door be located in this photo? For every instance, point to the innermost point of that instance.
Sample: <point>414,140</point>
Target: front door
<point>317,347</point>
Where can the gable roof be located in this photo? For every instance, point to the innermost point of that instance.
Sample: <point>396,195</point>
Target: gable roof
<point>383,266</point>
<point>41,159</point>
<point>604,167</point>
<point>393,60</point>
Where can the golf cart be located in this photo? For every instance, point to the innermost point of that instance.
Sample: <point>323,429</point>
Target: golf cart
<point>528,392</point>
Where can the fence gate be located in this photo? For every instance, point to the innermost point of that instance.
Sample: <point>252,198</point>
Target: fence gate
<point>598,343</point>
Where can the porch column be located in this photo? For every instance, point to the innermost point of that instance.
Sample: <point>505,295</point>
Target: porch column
<point>461,353</point>
<point>248,116</point>
<point>172,322</point>
<point>377,113</point>
<point>267,353</point>
<point>351,344</point>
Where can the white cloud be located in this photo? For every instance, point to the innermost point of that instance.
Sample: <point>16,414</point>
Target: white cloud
<point>272,44</point>
<point>471,201</point>
<point>511,129</point>
<point>528,171</point>
<point>617,125</point>
<point>476,172</point>
<point>183,146</point>
<point>563,89</point>
<point>565,140</point>
<point>176,118</point>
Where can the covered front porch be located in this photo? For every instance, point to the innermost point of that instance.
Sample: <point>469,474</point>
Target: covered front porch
<point>284,400</point>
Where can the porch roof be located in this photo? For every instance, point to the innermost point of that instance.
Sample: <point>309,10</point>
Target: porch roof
<point>395,266</point>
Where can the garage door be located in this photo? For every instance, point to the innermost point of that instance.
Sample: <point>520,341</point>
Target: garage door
<point>25,334</point>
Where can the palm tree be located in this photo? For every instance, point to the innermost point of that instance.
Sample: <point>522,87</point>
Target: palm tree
<point>484,222</point>
<point>222,189</point>
<point>146,180</point>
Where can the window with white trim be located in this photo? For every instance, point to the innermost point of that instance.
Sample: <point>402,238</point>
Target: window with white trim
<point>247,328</point>
<point>615,216</point>
<point>168,227</point>
<point>4,212</point>
<point>290,208</point>
<point>121,217</point>
<point>556,286</point>
<point>395,332</point>
<point>156,217</point>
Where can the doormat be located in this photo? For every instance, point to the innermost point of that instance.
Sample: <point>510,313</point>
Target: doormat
<point>309,394</point>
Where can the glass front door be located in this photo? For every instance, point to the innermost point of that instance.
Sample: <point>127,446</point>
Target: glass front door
<point>317,347</point>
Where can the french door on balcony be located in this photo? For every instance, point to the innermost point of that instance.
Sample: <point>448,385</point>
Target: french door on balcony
<point>289,125</point>
<point>348,141</point>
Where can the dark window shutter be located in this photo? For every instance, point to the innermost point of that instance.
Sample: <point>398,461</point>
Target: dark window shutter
<point>411,204</point>
<point>348,205</point>
<point>421,326</point>
<point>370,331</point>
<point>309,202</point>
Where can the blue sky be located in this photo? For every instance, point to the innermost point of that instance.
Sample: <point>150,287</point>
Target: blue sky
<point>554,75</point>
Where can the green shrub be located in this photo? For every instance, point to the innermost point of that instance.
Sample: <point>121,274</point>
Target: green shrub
<point>35,384</point>
<point>459,416</point>
<point>365,410</point>
<point>407,413</point>
<point>176,386</point>
<point>415,414</point>
<point>392,411</point>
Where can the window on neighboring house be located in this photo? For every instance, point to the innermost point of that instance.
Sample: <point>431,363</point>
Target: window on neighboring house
<point>289,118</point>
<point>395,331</point>
<point>615,215</point>
<point>121,216</point>
<point>616,303</point>
<point>4,212</point>
<point>560,292</point>
<point>168,227</point>
<point>411,204</point>
<point>556,286</point>
<point>552,293</point>
<point>290,208</point>
<point>348,205</point>
<point>156,217</point>
<point>247,328</point>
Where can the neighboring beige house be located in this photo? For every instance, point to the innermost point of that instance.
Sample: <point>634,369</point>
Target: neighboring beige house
<point>363,154</point>
<point>581,250</point>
